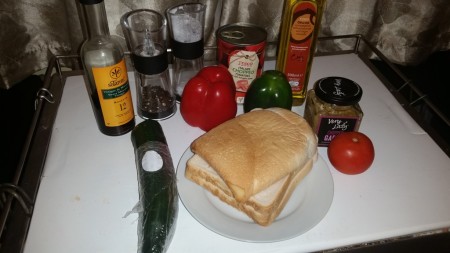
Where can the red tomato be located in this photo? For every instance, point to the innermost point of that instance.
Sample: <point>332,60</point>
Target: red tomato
<point>351,152</point>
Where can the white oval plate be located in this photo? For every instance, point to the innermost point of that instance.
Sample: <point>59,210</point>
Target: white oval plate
<point>305,209</point>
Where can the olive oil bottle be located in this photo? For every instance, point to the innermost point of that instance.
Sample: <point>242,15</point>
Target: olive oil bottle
<point>298,37</point>
<point>105,73</point>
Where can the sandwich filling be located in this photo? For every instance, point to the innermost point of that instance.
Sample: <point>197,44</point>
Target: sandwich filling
<point>254,161</point>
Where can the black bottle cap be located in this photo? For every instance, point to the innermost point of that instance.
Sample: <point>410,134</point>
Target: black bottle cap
<point>338,90</point>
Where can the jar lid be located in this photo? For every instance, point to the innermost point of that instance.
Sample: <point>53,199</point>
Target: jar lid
<point>338,90</point>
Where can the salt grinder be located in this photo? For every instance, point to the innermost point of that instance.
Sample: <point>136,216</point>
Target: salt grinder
<point>186,23</point>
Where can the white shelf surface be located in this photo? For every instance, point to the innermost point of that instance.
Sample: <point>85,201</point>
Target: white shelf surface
<point>89,181</point>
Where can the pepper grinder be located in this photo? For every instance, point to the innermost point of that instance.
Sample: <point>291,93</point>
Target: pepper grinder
<point>145,34</point>
<point>186,23</point>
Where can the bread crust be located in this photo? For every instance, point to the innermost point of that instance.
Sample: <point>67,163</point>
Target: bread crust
<point>257,149</point>
<point>262,213</point>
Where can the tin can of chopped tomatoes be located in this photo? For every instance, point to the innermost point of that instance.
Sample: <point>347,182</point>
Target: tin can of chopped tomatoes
<point>241,48</point>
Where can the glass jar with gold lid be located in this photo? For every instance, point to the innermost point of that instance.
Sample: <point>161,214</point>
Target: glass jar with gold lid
<point>332,107</point>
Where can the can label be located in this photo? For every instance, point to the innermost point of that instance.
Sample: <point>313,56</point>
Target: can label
<point>241,54</point>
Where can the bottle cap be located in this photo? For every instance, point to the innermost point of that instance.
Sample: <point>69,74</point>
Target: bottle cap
<point>338,90</point>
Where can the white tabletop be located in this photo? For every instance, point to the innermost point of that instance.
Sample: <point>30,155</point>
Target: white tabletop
<point>90,182</point>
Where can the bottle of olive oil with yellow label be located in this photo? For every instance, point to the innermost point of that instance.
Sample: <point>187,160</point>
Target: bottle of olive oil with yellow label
<point>299,31</point>
<point>106,73</point>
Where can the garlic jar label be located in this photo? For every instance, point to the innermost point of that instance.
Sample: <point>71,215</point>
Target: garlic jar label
<point>330,127</point>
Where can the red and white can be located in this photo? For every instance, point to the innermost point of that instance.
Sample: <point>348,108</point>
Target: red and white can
<point>241,48</point>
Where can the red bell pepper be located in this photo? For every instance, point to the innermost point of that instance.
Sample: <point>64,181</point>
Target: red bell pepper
<point>208,99</point>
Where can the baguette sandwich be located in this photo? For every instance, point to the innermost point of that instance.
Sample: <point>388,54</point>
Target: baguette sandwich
<point>255,161</point>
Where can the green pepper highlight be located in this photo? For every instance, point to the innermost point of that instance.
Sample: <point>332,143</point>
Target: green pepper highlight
<point>271,89</point>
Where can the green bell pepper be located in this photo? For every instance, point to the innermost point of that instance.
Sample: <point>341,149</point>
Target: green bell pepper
<point>271,89</point>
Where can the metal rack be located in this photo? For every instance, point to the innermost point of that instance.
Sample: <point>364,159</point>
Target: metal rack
<point>18,197</point>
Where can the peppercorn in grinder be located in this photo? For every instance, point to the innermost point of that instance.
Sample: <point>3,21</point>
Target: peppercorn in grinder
<point>145,34</point>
